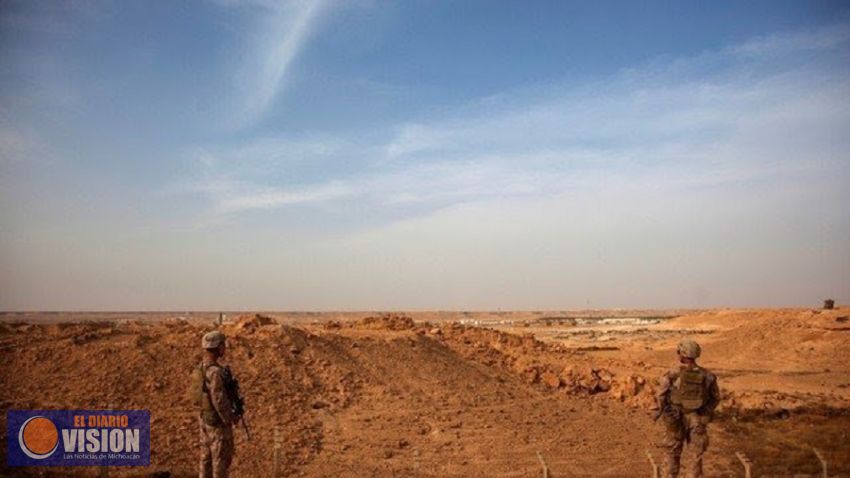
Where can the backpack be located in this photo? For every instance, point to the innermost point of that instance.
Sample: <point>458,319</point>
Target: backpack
<point>688,390</point>
<point>200,395</point>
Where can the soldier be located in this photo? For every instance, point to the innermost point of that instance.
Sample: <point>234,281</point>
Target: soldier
<point>687,397</point>
<point>217,416</point>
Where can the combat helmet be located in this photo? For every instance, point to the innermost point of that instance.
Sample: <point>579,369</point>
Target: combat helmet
<point>212,339</point>
<point>688,348</point>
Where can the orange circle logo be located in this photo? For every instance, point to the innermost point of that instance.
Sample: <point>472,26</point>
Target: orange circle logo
<point>38,437</point>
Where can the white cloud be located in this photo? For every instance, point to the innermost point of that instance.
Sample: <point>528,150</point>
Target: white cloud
<point>284,28</point>
<point>233,200</point>
<point>820,39</point>
<point>412,138</point>
<point>647,127</point>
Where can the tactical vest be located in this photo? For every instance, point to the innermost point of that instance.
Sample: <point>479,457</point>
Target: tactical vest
<point>201,396</point>
<point>688,390</point>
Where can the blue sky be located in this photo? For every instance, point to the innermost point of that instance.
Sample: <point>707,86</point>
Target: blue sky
<point>459,155</point>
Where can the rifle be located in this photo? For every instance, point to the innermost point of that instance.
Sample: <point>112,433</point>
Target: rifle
<point>237,401</point>
<point>662,405</point>
<point>244,421</point>
<point>669,410</point>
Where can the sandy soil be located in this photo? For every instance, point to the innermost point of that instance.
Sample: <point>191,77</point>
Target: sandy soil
<point>361,394</point>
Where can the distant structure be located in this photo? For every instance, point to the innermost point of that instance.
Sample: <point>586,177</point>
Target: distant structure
<point>829,304</point>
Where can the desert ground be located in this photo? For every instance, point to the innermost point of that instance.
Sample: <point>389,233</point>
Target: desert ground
<point>441,394</point>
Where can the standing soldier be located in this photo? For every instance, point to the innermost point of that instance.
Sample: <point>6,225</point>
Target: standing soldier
<point>212,386</point>
<point>687,397</point>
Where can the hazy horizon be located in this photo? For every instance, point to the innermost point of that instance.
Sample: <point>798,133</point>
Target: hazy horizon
<point>363,156</point>
<point>230,313</point>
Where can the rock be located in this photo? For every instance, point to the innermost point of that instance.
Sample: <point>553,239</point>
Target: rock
<point>550,379</point>
<point>176,322</point>
<point>249,324</point>
<point>396,322</point>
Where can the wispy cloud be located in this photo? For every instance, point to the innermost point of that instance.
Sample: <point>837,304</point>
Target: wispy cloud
<point>647,127</point>
<point>412,138</point>
<point>284,28</point>
<point>271,198</point>
<point>820,39</point>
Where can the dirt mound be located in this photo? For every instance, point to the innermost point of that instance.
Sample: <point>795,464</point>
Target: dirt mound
<point>387,396</point>
<point>285,372</point>
<point>252,322</point>
<point>294,380</point>
<point>549,365</point>
<point>397,322</point>
<point>789,340</point>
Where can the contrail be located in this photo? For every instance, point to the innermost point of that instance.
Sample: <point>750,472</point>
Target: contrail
<point>281,47</point>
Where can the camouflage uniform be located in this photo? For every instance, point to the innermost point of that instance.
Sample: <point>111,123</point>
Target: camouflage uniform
<point>682,426</point>
<point>216,433</point>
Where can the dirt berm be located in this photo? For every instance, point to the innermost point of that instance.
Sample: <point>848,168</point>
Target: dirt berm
<point>383,396</point>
